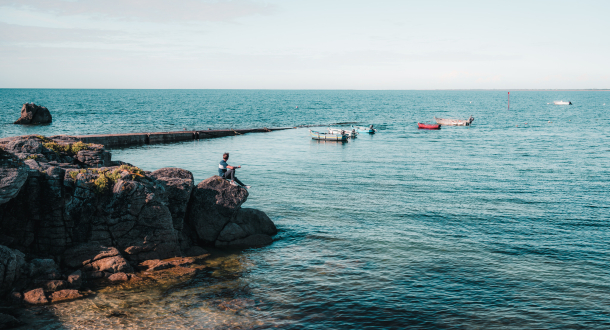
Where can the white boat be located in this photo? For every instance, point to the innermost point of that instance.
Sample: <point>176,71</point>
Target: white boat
<point>328,136</point>
<point>562,103</point>
<point>351,133</point>
<point>454,122</point>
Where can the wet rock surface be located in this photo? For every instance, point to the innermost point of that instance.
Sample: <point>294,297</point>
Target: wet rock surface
<point>70,217</point>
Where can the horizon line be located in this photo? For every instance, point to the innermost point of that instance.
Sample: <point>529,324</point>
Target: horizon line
<point>330,89</point>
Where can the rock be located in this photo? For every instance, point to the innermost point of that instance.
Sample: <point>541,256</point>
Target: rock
<point>43,267</point>
<point>93,275</point>
<point>153,265</point>
<point>8,321</point>
<point>94,158</point>
<point>67,294</point>
<point>53,285</point>
<point>35,297</point>
<point>95,257</point>
<point>75,280</point>
<point>32,114</point>
<point>214,201</point>
<point>195,251</point>
<point>15,297</point>
<point>11,181</point>
<point>28,146</point>
<point>179,185</point>
<point>118,277</point>
<point>11,265</point>
<point>248,228</point>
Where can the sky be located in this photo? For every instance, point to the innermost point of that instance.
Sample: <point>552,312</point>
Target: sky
<point>305,44</point>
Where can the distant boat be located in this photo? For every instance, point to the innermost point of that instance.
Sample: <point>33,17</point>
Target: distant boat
<point>428,126</point>
<point>328,136</point>
<point>351,133</point>
<point>362,129</point>
<point>454,122</point>
<point>562,103</point>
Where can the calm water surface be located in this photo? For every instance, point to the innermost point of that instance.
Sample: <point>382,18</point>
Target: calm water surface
<point>503,224</point>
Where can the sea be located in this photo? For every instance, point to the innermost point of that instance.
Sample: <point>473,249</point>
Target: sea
<point>504,224</point>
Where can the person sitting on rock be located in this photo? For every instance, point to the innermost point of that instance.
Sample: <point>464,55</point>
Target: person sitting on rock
<point>227,171</point>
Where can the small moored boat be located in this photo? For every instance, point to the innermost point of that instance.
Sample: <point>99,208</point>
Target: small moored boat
<point>454,122</point>
<point>562,103</point>
<point>362,129</point>
<point>351,133</point>
<point>328,136</point>
<point>428,126</point>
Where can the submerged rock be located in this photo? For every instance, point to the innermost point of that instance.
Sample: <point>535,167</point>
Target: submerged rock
<point>32,114</point>
<point>67,294</point>
<point>35,297</point>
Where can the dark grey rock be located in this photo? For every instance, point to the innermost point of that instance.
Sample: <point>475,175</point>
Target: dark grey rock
<point>8,321</point>
<point>11,266</point>
<point>32,114</point>
<point>213,204</point>
<point>246,223</point>
<point>42,267</point>
<point>179,185</point>
<point>11,181</point>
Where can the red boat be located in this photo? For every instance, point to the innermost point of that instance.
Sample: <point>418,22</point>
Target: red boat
<point>428,126</point>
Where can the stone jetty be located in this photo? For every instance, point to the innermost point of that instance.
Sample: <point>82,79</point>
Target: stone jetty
<point>71,216</point>
<point>134,139</point>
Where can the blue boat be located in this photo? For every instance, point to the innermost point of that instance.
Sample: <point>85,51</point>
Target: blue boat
<point>362,129</point>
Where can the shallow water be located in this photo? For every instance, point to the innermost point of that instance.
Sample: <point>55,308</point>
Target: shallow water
<point>499,225</point>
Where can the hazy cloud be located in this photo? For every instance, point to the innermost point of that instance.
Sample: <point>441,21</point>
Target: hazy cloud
<point>160,11</point>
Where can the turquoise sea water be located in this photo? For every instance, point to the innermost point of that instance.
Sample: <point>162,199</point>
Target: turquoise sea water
<point>504,224</point>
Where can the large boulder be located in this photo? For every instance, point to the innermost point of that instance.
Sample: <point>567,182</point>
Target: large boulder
<point>213,203</point>
<point>247,228</point>
<point>32,114</point>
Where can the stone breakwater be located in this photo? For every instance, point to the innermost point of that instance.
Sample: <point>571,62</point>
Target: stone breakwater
<point>70,215</point>
<point>133,139</point>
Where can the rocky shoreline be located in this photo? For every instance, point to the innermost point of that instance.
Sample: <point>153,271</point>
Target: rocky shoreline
<point>70,217</point>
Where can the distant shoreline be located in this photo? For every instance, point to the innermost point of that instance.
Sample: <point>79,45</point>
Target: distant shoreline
<point>364,90</point>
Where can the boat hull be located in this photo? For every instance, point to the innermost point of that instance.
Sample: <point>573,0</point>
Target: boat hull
<point>364,130</point>
<point>454,122</point>
<point>339,131</point>
<point>428,126</point>
<point>328,136</point>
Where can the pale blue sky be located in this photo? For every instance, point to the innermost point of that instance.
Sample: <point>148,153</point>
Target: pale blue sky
<point>304,44</point>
